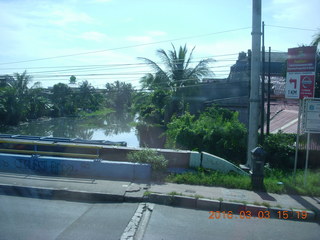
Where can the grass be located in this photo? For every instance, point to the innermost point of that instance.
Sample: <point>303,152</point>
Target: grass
<point>275,181</point>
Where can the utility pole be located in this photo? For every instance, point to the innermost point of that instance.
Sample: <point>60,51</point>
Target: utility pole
<point>255,80</point>
<point>269,92</point>
<point>262,88</point>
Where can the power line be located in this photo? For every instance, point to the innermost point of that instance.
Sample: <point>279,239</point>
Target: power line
<point>122,64</point>
<point>293,28</point>
<point>126,47</point>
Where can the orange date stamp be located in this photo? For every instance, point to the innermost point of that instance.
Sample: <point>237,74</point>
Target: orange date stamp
<point>257,215</point>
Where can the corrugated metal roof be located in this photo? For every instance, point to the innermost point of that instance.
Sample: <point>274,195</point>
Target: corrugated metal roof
<point>284,116</point>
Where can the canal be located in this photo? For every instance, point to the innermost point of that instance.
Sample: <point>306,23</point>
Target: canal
<point>112,127</point>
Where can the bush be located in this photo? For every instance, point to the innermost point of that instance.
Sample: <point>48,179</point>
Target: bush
<point>280,150</point>
<point>217,131</point>
<point>157,161</point>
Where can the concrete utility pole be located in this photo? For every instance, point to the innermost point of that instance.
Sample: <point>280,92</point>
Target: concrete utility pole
<point>255,80</point>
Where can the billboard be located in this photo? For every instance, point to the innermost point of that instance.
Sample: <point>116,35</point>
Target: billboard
<point>301,67</point>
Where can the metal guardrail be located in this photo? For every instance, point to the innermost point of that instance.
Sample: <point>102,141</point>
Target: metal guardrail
<point>37,144</point>
<point>62,140</point>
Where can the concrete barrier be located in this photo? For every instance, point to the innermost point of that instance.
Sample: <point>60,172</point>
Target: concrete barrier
<point>195,160</point>
<point>74,167</point>
<point>213,162</point>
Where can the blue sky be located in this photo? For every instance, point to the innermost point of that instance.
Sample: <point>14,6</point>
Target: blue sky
<point>36,29</point>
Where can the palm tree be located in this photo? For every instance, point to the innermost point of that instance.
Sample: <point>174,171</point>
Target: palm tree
<point>316,39</point>
<point>178,71</point>
<point>21,82</point>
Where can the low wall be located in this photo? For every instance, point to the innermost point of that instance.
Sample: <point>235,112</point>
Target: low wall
<point>176,158</point>
<point>73,167</point>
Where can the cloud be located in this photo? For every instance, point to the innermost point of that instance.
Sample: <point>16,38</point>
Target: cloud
<point>67,16</point>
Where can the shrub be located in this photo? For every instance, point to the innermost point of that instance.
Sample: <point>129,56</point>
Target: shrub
<point>217,131</point>
<point>280,150</point>
<point>157,161</point>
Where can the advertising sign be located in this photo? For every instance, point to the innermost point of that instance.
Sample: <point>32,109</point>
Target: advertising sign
<point>300,81</point>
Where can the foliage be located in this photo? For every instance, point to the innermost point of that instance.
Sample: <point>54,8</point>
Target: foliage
<point>19,103</point>
<point>170,86</point>
<point>14,99</point>
<point>87,99</point>
<point>178,71</point>
<point>157,161</point>
<point>152,107</point>
<point>280,150</point>
<point>217,131</point>
<point>64,103</point>
<point>119,96</point>
<point>73,79</point>
<point>275,181</point>
<point>212,178</point>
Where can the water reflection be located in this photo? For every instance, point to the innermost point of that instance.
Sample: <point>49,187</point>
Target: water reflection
<point>110,127</point>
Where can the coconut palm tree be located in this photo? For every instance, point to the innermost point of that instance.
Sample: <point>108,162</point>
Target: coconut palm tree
<point>316,39</point>
<point>21,82</point>
<point>177,70</point>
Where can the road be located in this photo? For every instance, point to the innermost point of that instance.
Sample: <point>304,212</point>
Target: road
<point>30,218</point>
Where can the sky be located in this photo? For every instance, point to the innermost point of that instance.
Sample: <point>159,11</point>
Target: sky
<point>101,40</point>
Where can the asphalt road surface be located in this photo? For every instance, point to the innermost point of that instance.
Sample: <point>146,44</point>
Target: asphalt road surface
<point>177,223</point>
<point>30,218</point>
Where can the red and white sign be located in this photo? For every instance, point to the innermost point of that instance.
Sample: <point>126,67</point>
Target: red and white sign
<point>300,81</point>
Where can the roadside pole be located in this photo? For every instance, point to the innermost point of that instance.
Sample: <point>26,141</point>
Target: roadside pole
<point>297,143</point>
<point>269,89</point>
<point>255,80</point>
<point>262,88</point>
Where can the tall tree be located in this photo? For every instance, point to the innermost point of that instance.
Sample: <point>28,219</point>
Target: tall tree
<point>316,39</point>
<point>172,84</point>
<point>177,70</point>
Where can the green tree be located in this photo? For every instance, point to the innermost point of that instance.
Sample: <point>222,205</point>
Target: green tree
<point>14,99</point>
<point>119,95</point>
<point>316,39</point>
<point>174,82</point>
<point>64,103</point>
<point>72,79</point>
<point>38,103</point>
<point>177,70</point>
<point>216,130</point>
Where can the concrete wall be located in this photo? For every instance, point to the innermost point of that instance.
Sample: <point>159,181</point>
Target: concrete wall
<point>213,162</point>
<point>176,158</point>
<point>72,167</point>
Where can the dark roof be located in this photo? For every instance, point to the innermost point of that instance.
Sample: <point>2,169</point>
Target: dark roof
<point>277,64</point>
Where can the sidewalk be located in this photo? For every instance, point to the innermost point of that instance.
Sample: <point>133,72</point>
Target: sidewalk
<point>180,195</point>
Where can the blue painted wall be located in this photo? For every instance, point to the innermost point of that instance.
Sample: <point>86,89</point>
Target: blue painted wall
<point>71,167</point>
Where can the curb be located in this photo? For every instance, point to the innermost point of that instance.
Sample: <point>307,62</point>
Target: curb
<point>218,209</point>
<point>225,209</point>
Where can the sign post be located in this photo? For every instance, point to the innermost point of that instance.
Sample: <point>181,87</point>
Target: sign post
<point>300,84</point>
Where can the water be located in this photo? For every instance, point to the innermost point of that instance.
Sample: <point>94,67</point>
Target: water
<point>113,127</point>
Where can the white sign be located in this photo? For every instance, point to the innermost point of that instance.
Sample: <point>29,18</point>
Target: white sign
<point>311,115</point>
<point>292,85</point>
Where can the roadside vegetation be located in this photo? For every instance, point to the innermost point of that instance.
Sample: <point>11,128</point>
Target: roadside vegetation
<point>19,102</point>
<point>275,181</point>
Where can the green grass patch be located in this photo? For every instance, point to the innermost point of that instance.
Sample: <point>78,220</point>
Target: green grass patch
<point>211,178</point>
<point>275,181</point>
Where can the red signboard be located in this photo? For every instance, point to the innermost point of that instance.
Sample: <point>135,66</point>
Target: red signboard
<point>301,59</point>
<point>306,86</point>
<point>301,68</point>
